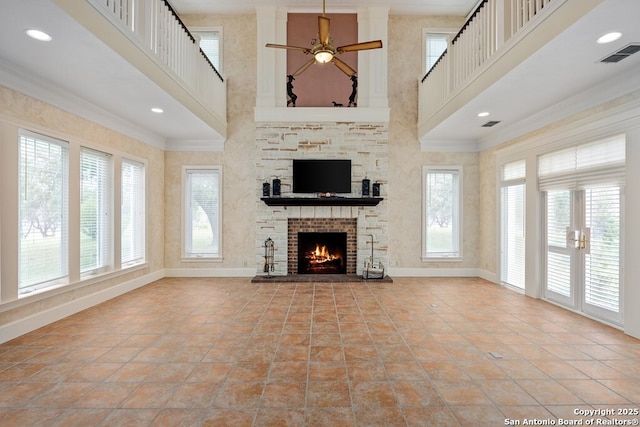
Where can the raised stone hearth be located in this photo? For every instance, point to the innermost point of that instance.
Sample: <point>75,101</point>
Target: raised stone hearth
<point>319,278</point>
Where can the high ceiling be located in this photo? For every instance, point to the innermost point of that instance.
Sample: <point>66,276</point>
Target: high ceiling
<point>79,73</point>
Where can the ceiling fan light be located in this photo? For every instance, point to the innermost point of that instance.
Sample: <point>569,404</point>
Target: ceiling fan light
<point>323,56</point>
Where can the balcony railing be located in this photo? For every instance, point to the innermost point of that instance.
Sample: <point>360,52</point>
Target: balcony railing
<point>154,25</point>
<point>489,27</point>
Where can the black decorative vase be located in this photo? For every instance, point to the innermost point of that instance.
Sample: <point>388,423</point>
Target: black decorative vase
<point>376,189</point>
<point>365,187</point>
<point>266,189</point>
<point>276,187</point>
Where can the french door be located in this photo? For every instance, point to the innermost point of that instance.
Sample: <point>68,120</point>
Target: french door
<point>583,250</point>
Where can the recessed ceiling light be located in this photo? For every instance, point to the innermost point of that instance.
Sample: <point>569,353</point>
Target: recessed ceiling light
<point>38,35</point>
<point>157,110</point>
<point>483,114</point>
<point>609,37</point>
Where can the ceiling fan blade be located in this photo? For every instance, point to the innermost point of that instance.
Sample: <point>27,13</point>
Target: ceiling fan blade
<point>344,67</point>
<point>375,44</point>
<point>282,46</point>
<point>304,67</point>
<point>323,29</point>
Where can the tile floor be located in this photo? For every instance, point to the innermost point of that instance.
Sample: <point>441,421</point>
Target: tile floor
<point>228,352</point>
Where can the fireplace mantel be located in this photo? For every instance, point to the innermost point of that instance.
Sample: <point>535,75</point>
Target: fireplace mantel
<point>322,201</point>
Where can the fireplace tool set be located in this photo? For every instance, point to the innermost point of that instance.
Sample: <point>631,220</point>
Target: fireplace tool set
<point>373,267</point>
<point>268,257</point>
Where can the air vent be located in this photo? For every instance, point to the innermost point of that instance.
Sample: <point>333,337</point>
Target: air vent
<point>621,54</point>
<point>490,123</point>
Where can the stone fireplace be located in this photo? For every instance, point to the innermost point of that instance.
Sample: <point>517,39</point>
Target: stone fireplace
<point>366,145</point>
<point>304,234</point>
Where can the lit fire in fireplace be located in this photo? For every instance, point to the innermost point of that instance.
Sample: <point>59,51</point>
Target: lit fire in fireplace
<point>321,256</point>
<point>322,252</point>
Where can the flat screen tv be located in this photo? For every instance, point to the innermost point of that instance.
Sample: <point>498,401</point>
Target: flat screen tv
<point>321,176</point>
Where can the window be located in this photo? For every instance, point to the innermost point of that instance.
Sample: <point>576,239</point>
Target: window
<point>513,223</point>
<point>435,45</point>
<point>44,211</point>
<point>96,218</point>
<point>210,43</point>
<point>67,214</point>
<point>442,211</point>
<point>202,202</point>
<point>132,213</point>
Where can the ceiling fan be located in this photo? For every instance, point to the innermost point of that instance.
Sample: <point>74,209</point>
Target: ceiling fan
<point>324,52</point>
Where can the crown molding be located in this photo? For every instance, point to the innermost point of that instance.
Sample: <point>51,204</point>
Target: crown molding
<point>450,146</point>
<point>199,145</point>
<point>36,88</point>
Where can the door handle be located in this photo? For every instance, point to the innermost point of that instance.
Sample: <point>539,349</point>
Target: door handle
<point>585,240</point>
<point>580,239</point>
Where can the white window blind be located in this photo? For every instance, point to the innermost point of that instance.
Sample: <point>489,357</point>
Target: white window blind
<point>435,45</point>
<point>96,217</point>
<point>602,263</point>
<point>210,43</point>
<point>513,235</point>
<point>202,212</point>
<point>513,223</point>
<point>514,170</point>
<point>132,213</point>
<point>442,212</point>
<point>598,162</point>
<point>558,218</point>
<point>43,211</point>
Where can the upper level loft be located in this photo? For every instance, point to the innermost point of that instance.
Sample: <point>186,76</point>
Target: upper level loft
<point>114,62</point>
<point>518,65</point>
<point>153,38</point>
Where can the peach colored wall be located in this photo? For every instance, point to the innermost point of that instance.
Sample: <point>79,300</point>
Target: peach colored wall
<point>321,84</point>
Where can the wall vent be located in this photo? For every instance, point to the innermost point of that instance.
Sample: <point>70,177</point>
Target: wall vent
<point>490,123</point>
<point>621,54</point>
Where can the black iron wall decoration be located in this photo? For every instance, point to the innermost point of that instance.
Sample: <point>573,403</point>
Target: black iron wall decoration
<point>292,96</point>
<point>354,91</point>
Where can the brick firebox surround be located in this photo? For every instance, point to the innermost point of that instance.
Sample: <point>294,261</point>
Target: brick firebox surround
<point>321,225</point>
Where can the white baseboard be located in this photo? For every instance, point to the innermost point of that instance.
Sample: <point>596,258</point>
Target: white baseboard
<point>209,272</point>
<point>433,272</point>
<point>20,327</point>
<point>487,275</point>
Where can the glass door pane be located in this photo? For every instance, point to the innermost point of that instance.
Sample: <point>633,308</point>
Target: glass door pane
<point>558,283</point>
<point>602,255</point>
<point>513,235</point>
